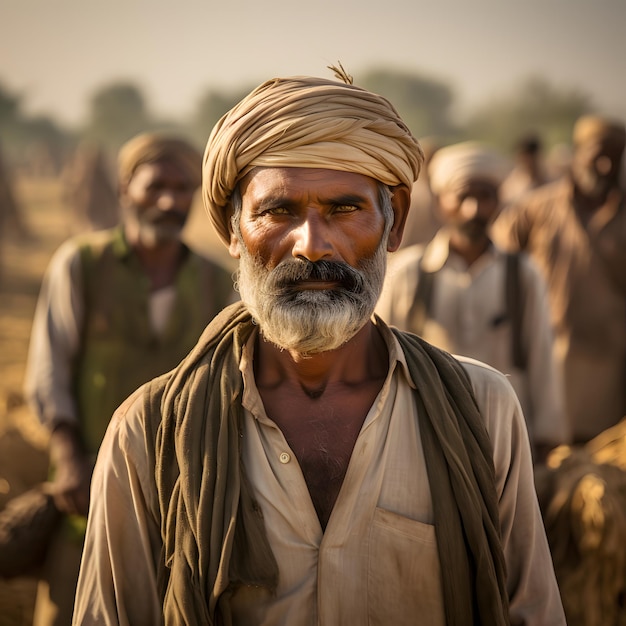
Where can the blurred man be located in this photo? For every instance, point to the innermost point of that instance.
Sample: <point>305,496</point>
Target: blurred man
<point>528,170</point>
<point>117,307</point>
<point>307,464</point>
<point>575,230</point>
<point>466,296</point>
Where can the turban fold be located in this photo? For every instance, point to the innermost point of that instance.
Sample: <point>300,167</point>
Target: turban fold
<point>595,127</point>
<point>455,165</point>
<point>153,147</point>
<point>306,122</point>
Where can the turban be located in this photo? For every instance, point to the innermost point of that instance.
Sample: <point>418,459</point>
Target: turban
<point>596,128</point>
<point>455,165</point>
<point>152,147</point>
<point>306,122</point>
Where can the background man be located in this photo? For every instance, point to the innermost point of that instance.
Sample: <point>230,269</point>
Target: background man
<point>116,308</point>
<point>528,169</point>
<point>306,464</point>
<point>575,230</point>
<point>466,296</point>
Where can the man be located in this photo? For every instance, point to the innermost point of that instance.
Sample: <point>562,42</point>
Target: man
<point>575,230</point>
<point>463,294</point>
<point>528,170</point>
<point>117,307</point>
<point>306,464</point>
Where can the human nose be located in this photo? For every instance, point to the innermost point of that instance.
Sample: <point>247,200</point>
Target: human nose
<point>469,208</point>
<point>167,200</point>
<point>312,239</point>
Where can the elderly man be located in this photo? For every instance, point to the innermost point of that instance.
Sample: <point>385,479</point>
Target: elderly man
<point>306,464</point>
<point>117,308</point>
<point>463,294</point>
<point>575,230</point>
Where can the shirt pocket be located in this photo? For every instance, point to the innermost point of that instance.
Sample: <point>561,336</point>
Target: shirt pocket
<point>404,575</point>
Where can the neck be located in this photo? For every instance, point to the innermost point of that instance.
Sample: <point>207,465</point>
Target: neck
<point>470,250</point>
<point>160,262</point>
<point>362,358</point>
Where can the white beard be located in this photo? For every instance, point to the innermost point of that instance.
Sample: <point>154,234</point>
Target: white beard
<point>310,321</point>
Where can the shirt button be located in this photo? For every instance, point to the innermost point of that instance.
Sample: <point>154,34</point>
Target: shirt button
<point>285,457</point>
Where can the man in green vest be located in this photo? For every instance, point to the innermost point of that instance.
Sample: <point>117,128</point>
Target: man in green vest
<point>306,463</point>
<point>117,308</point>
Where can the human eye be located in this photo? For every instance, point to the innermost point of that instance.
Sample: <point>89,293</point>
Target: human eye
<point>274,211</point>
<point>345,208</point>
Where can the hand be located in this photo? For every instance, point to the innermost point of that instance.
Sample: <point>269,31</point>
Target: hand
<point>73,471</point>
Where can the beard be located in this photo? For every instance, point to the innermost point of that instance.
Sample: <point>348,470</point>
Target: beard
<point>156,227</point>
<point>474,230</point>
<point>593,186</point>
<point>311,321</point>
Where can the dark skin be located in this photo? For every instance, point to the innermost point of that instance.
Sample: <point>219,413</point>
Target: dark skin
<point>596,167</point>
<point>468,211</point>
<point>320,401</point>
<point>155,204</point>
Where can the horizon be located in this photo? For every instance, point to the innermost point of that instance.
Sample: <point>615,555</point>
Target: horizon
<point>487,50</point>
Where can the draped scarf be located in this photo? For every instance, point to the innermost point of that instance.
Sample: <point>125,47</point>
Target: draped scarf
<point>212,529</point>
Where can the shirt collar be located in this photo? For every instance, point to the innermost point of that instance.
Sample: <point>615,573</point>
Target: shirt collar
<point>437,253</point>
<point>252,398</point>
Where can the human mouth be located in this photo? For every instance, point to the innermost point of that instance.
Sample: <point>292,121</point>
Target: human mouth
<point>313,284</point>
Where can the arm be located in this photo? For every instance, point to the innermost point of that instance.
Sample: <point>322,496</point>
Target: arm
<point>511,229</point>
<point>118,576</point>
<point>55,337</point>
<point>550,427</point>
<point>54,345</point>
<point>533,592</point>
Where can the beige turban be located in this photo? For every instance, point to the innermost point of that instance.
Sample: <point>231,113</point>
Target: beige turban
<point>153,147</point>
<point>455,165</point>
<point>595,127</point>
<point>306,122</point>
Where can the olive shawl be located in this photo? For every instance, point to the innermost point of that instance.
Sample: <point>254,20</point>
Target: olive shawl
<point>212,529</point>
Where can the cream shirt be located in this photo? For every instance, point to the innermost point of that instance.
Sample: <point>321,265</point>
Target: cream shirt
<point>468,317</point>
<point>376,563</point>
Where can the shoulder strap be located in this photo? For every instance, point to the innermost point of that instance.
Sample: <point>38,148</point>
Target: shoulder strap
<point>422,300</point>
<point>514,308</point>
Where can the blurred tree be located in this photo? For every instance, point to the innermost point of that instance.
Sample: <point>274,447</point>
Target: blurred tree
<point>535,105</point>
<point>424,103</point>
<point>24,136</point>
<point>117,112</point>
<point>211,106</point>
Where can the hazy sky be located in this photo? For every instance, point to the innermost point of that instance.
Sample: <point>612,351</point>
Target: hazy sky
<point>57,52</point>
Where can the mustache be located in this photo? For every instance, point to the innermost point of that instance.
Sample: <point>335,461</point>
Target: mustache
<point>290,273</point>
<point>156,216</point>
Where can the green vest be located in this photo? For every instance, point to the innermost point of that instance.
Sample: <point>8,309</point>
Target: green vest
<point>119,350</point>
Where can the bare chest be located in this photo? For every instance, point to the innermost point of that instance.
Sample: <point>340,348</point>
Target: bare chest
<point>322,433</point>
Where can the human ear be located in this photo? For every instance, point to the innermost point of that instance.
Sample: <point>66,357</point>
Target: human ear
<point>400,202</point>
<point>233,247</point>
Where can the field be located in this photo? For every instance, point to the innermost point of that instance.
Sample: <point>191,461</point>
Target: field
<point>23,442</point>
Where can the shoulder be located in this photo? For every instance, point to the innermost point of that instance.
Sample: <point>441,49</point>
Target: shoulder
<point>485,378</point>
<point>135,422</point>
<point>208,264</point>
<point>69,256</point>
<point>540,200</point>
<point>497,402</point>
<point>405,259</point>
<point>95,240</point>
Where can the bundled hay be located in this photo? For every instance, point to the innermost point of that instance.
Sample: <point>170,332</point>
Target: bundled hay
<point>582,495</point>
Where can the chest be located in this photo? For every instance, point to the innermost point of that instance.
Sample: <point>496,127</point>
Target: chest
<point>321,432</point>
